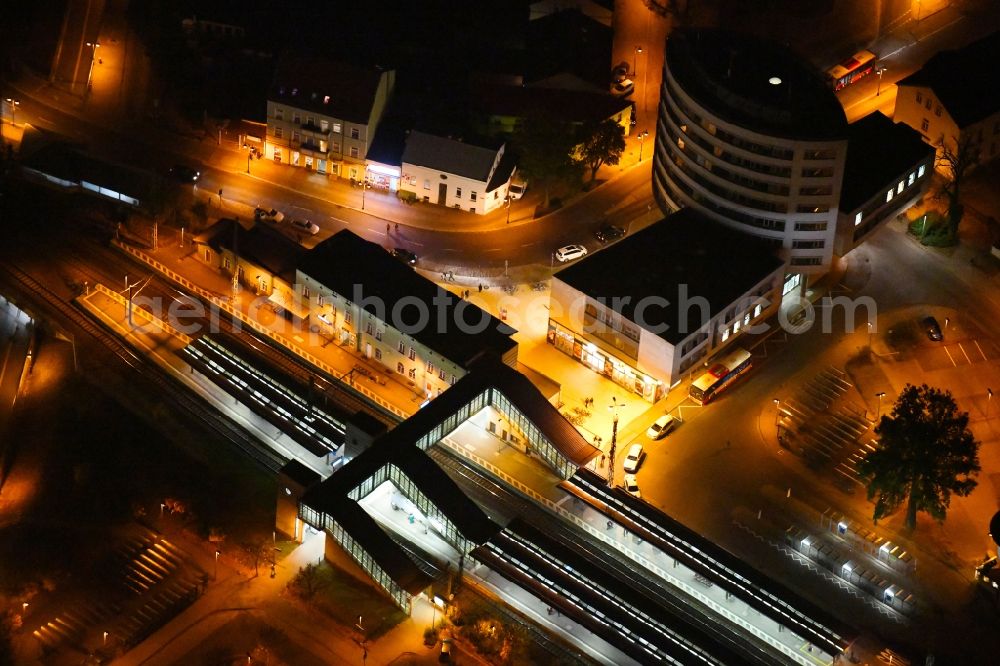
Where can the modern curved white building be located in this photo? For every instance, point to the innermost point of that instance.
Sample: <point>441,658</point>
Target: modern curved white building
<point>750,134</point>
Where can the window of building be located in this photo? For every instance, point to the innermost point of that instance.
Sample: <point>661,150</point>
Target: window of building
<point>920,97</point>
<point>369,328</point>
<point>355,133</point>
<point>295,135</point>
<point>400,369</point>
<point>888,196</point>
<point>305,291</point>
<point>335,147</point>
<point>412,373</point>
<point>310,121</point>
<point>806,261</point>
<point>279,113</point>
<point>899,188</point>
<point>927,103</point>
<point>937,111</point>
<point>324,125</point>
<point>810,226</point>
<point>453,380</point>
<point>296,118</point>
<point>746,319</point>
<point>458,192</point>
<point>336,128</point>
<point>354,152</point>
<point>912,177</point>
<point>378,354</point>
<point>808,244</point>
<point>925,125</point>
<point>725,335</point>
<point>348,317</point>
<point>472,195</point>
<point>441,374</point>
<point>430,368</point>
<point>921,170</point>
<point>427,184</point>
<point>857,219</point>
<point>757,310</point>
<point>378,334</point>
<point>413,353</point>
<point>278,132</point>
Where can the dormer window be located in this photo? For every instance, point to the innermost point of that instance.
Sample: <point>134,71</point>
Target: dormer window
<point>295,91</point>
<point>326,99</point>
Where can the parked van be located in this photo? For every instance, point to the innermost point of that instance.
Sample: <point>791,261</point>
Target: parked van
<point>516,189</point>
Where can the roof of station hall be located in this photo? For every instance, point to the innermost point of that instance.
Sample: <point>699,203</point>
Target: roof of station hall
<point>685,256</point>
<point>731,73</point>
<point>346,261</point>
<point>399,448</point>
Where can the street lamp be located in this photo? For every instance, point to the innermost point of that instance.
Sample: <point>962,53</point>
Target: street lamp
<point>641,137</point>
<point>614,406</point>
<point>249,155</point>
<point>93,56</point>
<point>105,638</point>
<point>215,575</point>
<point>635,54</point>
<point>14,103</point>
<point>24,608</point>
<point>870,327</point>
<point>508,208</point>
<point>989,400</point>
<point>880,71</point>
<point>878,413</point>
<point>364,186</point>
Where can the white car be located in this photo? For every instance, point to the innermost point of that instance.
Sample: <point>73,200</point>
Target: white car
<point>516,190</point>
<point>631,485</point>
<point>268,215</point>
<point>305,226</point>
<point>634,458</point>
<point>661,427</point>
<point>570,252</point>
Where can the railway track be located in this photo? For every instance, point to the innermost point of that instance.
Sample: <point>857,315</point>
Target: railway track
<point>146,369</point>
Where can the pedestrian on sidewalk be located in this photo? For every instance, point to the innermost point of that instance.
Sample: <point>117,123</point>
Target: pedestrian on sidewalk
<point>397,226</point>
<point>480,287</point>
<point>387,229</point>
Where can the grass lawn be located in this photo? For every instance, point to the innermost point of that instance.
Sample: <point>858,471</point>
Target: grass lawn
<point>344,598</point>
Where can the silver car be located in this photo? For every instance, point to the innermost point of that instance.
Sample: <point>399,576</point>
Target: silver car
<point>570,252</point>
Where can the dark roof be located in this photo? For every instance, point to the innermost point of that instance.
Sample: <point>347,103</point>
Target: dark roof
<point>67,163</point>
<point>686,251</point>
<point>334,89</point>
<point>878,152</point>
<point>346,262</point>
<point>503,172</point>
<point>367,423</point>
<point>966,80</point>
<point>449,155</point>
<point>389,555</point>
<point>260,244</point>
<point>299,473</point>
<point>574,106</point>
<point>568,41</point>
<point>729,74</point>
<point>388,145</point>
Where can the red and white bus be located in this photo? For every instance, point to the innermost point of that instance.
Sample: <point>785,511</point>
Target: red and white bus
<point>858,66</point>
<point>720,375</point>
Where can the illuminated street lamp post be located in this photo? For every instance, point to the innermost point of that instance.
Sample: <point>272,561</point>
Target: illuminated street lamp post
<point>215,575</point>
<point>13,103</point>
<point>878,412</point>
<point>641,137</point>
<point>364,187</point>
<point>249,155</point>
<point>880,71</point>
<point>614,440</point>
<point>777,415</point>
<point>105,638</point>
<point>508,209</point>
<point>870,328</point>
<point>93,56</point>
<point>635,54</point>
<point>989,401</point>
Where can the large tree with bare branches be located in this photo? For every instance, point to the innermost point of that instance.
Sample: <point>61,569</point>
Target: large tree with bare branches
<point>956,157</point>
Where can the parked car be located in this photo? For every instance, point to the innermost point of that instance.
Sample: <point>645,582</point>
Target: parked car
<point>268,215</point>
<point>620,72</point>
<point>185,174</point>
<point>932,328</point>
<point>570,252</point>
<point>306,226</point>
<point>634,458</point>
<point>516,190</point>
<point>405,256</point>
<point>608,233</point>
<point>623,88</point>
<point>661,427</point>
<point>631,485</point>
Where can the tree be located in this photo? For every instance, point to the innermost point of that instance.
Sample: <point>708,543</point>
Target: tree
<point>259,550</point>
<point>545,146</point>
<point>309,580</point>
<point>603,143</point>
<point>957,157</point>
<point>925,453</point>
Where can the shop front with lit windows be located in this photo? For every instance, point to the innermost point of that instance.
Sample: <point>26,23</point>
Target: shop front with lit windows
<point>603,363</point>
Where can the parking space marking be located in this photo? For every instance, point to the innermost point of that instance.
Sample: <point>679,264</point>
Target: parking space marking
<point>950,357</point>
<point>967,357</point>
